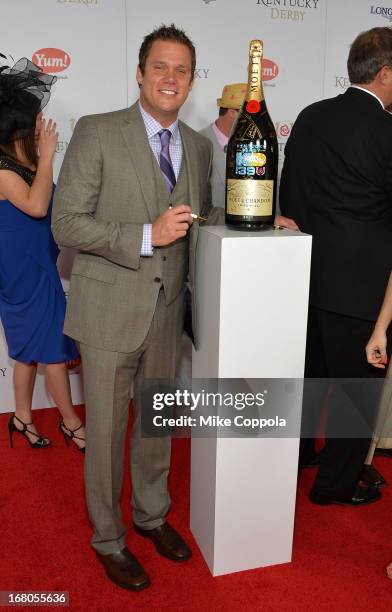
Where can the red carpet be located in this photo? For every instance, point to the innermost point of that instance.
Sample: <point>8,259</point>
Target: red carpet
<point>339,553</point>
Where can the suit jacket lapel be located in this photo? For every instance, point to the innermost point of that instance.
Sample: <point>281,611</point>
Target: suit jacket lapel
<point>191,155</point>
<point>135,136</point>
<point>219,156</point>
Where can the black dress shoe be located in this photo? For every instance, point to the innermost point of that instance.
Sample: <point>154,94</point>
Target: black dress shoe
<point>371,476</point>
<point>361,497</point>
<point>167,541</point>
<point>385,452</point>
<point>123,569</point>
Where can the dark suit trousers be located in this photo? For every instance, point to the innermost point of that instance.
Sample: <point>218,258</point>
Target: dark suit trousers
<point>336,349</point>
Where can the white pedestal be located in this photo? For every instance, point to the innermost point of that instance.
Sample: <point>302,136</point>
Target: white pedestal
<point>252,300</point>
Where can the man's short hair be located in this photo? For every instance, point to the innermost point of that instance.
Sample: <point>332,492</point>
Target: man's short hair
<point>222,111</point>
<point>170,33</point>
<point>369,52</point>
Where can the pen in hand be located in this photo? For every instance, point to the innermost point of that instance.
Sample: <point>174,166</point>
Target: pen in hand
<point>193,215</point>
<point>198,217</point>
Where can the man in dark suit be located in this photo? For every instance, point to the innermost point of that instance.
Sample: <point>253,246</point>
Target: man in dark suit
<point>337,185</point>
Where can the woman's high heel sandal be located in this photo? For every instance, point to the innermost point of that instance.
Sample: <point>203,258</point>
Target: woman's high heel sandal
<point>40,441</point>
<point>70,434</point>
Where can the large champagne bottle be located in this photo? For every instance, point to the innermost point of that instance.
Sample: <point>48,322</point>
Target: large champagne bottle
<point>252,156</point>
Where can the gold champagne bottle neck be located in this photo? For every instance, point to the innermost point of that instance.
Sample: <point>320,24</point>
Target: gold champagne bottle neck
<point>256,48</point>
<point>255,72</point>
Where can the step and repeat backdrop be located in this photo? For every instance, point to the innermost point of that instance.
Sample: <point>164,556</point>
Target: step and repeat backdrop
<point>92,47</point>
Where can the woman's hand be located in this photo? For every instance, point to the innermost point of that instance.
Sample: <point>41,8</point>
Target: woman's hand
<point>376,353</point>
<point>47,140</point>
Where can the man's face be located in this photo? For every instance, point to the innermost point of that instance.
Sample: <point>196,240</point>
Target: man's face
<point>166,82</point>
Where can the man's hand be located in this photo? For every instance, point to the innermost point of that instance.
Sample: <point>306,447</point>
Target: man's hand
<point>171,225</point>
<point>286,222</point>
<point>376,353</point>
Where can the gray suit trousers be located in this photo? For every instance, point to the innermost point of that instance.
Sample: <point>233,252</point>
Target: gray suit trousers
<point>108,380</point>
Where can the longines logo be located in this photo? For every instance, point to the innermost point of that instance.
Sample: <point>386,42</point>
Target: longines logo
<point>342,82</point>
<point>291,10</point>
<point>2,372</point>
<point>382,11</point>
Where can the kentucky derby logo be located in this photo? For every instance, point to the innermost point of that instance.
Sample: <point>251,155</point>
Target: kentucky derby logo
<point>342,82</point>
<point>306,4</point>
<point>51,59</point>
<point>288,10</point>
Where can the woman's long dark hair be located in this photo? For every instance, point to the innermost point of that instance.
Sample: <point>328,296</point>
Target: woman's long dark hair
<point>28,146</point>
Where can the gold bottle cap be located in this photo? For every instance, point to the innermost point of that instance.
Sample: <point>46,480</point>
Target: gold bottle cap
<point>256,48</point>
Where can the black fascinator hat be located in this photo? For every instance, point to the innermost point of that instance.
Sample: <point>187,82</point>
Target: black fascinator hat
<point>24,92</point>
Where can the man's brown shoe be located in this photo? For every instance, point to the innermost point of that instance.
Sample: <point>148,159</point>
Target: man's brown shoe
<point>167,541</point>
<point>123,569</point>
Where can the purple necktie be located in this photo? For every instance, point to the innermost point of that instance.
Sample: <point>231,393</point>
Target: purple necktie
<point>165,161</point>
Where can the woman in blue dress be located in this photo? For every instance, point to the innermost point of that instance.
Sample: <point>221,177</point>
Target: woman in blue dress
<point>32,301</point>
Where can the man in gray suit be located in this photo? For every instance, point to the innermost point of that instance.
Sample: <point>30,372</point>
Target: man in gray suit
<point>219,132</point>
<point>128,184</point>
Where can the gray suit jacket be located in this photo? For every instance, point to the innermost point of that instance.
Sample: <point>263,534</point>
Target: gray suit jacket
<point>105,193</point>
<point>218,175</point>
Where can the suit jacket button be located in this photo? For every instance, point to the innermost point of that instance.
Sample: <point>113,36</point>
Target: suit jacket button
<point>164,258</point>
<point>157,279</point>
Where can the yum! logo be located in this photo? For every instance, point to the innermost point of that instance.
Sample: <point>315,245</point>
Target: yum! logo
<point>270,70</point>
<point>51,59</point>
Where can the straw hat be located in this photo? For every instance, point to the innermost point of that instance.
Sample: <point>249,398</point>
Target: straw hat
<point>232,96</point>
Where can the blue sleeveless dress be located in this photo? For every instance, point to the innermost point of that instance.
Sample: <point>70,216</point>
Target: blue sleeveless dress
<point>32,300</point>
